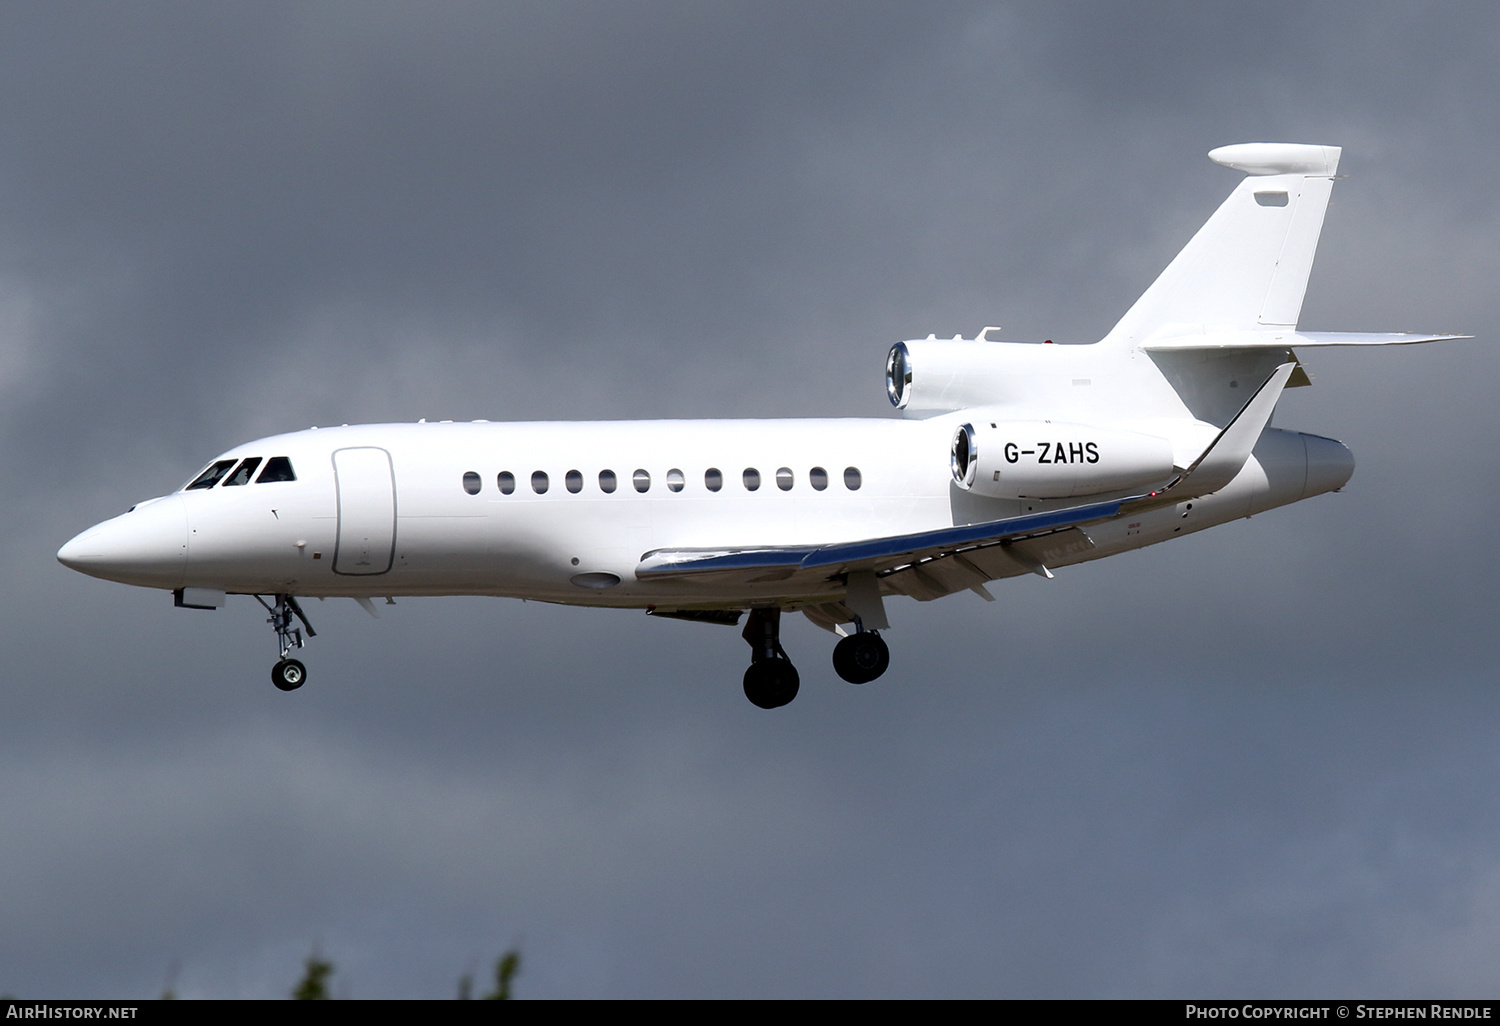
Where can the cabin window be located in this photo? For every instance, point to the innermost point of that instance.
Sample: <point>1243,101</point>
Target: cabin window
<point>851,478</point>
<point>506,482</point>
<point>751,478</point>
<point>278,468</point>
<point>784,479</point>
<point>818,478</point>
<point>607,481</point>
<point>243,473</point>
<point>713,479</point>
<point>210,477</point>
<point>574,481</point>
<point>675,480</point>
<point>471,482</point>
<point>539,482</point>
<point>641,480</point>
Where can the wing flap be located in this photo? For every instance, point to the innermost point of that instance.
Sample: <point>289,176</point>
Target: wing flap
<point>941,576</point>
<point>948,572</point>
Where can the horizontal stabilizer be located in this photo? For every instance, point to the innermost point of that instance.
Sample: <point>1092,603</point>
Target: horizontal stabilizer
<point>1290,339</point>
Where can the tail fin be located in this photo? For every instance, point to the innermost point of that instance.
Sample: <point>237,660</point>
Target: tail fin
<point>1247,268</point>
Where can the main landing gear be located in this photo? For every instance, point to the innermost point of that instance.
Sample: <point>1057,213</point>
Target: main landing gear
<point>861,657</point>
<point>772,681</point>
<point>288,674</point>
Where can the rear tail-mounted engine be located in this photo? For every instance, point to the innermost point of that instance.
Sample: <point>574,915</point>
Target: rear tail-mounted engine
<point>1046,460</point>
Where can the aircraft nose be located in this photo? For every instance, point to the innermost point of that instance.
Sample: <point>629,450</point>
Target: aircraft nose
<point>147,546</point>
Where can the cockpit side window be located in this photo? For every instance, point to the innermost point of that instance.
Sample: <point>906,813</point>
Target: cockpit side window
<point>210,477</point>
<point>278,468</point>
<point>243,473</point>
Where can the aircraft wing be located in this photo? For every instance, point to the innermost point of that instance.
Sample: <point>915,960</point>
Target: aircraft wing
<point>926,564</point>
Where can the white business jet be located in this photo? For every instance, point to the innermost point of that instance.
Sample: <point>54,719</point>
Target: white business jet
<point>1013,458</point>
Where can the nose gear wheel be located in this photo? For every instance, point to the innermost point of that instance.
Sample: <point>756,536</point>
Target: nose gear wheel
<point>288,674</point>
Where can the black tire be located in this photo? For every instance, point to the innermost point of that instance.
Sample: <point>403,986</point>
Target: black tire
<point>771,683</point>
<point>288,675</point>
<point>862,657</point>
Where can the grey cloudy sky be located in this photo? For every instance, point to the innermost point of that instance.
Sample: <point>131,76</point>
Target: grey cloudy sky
<point>1259,761</point>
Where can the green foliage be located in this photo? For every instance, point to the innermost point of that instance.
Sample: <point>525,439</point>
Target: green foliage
<point>314,985</point>
<point>505,971</point>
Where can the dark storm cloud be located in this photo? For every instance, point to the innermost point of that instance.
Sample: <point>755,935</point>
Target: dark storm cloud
<point>1254,761</point>
<point>237,175</point>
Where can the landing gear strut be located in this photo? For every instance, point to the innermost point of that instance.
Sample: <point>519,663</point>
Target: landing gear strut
<point>861,657</point>
<point>771,681</point>
<point>288,674</point>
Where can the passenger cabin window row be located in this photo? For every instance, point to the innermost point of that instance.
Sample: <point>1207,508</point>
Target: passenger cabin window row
<point>229,473</point>
<point>640,480</point>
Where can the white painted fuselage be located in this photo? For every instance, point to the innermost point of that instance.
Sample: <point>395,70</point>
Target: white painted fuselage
<point>383,510</point>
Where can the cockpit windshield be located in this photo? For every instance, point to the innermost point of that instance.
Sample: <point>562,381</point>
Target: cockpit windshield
<point>243,472</point>
<point>211,476</point>
<point>278,468</point>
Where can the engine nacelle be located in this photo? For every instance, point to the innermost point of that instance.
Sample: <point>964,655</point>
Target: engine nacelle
<point>932,375</point>
<point>1048,460</point>
<point>954,374</point>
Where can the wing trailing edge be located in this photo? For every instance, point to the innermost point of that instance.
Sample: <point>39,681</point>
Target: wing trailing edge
<point>881,555</point>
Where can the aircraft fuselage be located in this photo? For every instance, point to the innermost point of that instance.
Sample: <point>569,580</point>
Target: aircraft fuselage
<point>418,509</point>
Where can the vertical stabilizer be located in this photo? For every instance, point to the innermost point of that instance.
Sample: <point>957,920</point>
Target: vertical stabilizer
<point>1247,268</point>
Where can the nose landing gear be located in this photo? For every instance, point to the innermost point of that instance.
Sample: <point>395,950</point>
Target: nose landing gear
<point>288,674</point>
<point>771,680</point>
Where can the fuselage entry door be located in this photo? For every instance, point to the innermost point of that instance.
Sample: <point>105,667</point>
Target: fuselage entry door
<point>366,485</point>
